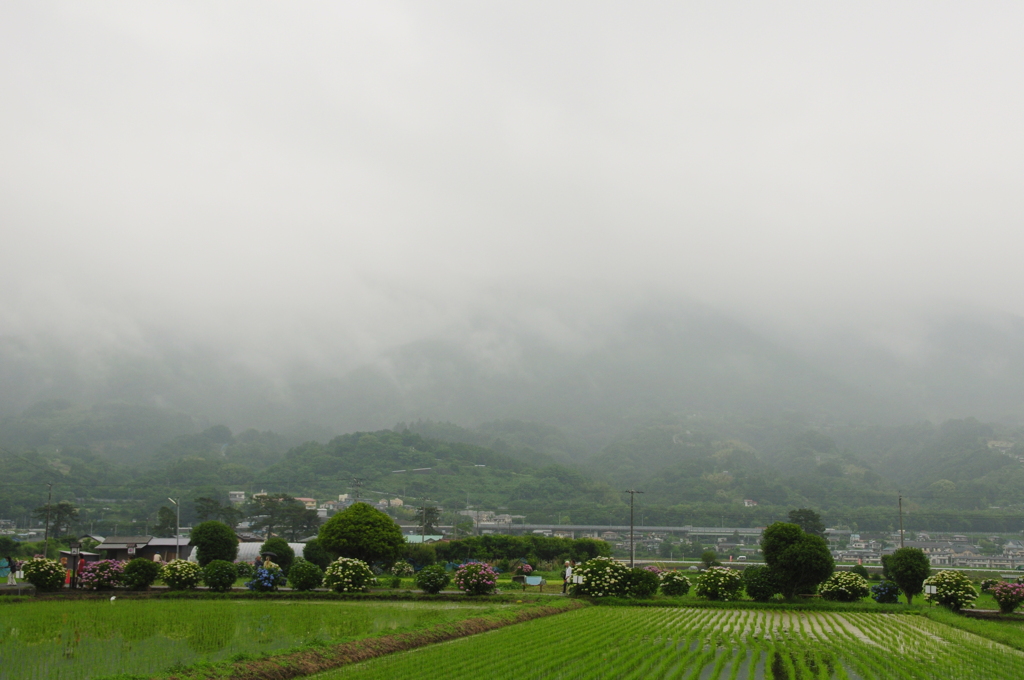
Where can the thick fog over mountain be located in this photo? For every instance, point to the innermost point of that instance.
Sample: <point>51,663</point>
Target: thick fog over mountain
<point>579,214</point>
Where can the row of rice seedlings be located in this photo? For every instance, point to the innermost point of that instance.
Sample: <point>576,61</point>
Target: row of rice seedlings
<point>698,644</point>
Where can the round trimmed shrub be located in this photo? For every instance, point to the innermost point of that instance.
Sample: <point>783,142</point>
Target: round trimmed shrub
<point>220,575</point>
<point>244,569</point>
<point>214,541</point>
<point>181,574</point>
<point>719,583</point>
<point>988,584</point>
<point>432,579</point>
<point>305,575</point>
<point>476,578</point>
<point>674,584</point>
<point>844,586</point>
<point>44,574</point>
<point>140,573</point>
<point>1009,596</point>
<point>885,592</point>
<point>602,577</point>
<point>348,575</point>
<point>760,583</point>
<point>102,575</point>
<point>642,582</point>
<point>860,570</point>
<point>952,590</point>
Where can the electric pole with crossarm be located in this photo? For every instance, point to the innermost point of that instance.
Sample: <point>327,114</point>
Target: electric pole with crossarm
<point>632,493</point>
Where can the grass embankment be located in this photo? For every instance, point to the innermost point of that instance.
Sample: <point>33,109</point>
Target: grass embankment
<point>1007,630</point>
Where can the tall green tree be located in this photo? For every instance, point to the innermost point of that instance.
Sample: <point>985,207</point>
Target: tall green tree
<point>808,520</point>
<point>62,516</point>
<point>798,560</point>
<point>207,508</point>
<point>166,522</point>
<point>362,532</point>
<point>908,568</point>
<point>427,517</point>
<point>271,511</point>
<point>214,541</point>
<point>298,521</point>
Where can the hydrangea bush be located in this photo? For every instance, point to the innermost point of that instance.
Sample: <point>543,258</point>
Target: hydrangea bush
<point>1009,596</point>
<point>432,579</point>
<point>181,574</point>
<point>885,592</point>
<point>719,583</point>
<point>266,579</point>
<point>245,570</point>
<point>102,575</point>
<point>348,575</point>
<point>476,578</point>
<point>674,583</point>
<point>402,568</point>
<point>602,577</point>
<point>844,586</point>
<point>988,584</point>
<point>44,574</point>
<point>953,590</point>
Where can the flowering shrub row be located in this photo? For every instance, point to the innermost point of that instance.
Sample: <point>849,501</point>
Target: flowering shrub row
<point>44,574</point>
<point>181,574</point>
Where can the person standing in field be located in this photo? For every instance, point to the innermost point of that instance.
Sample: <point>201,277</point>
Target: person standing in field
<point>567,575</point>
<point>11,566</point>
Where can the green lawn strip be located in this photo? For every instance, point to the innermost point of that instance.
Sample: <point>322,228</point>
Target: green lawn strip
<point>1008,632</point>
<point>319,658</point>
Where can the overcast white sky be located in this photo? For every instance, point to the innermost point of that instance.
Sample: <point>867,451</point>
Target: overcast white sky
<point>372,171</point>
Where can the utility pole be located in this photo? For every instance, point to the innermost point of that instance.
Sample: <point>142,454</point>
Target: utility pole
<point>177,528</point>
<point>632,494</point>
<point>356,483</point>
<point>901,518</point>
<point>46,533</point>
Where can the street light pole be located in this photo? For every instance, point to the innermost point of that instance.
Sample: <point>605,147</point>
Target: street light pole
<point>177,527</point>
<point>46,532</point>
<point>632,494</point>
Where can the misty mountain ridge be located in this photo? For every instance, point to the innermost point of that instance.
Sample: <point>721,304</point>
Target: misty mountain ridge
<point>650,363</point>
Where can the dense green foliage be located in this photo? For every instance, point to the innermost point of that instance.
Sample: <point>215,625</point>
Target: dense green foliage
<point>214,541</point>
<point>219,575</point>
<point>760,583</point>
<point>314,552</point>
<point>140,573</point>
<point>908,568</point>
<point>305,575</point>
<point>493,547</point>
<point>432,579</point>
<point>363,533</point>
<point>799,561</point>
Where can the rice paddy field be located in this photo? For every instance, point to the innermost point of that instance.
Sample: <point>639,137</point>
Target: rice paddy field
<point>705,644</point>
<point>68,640</point>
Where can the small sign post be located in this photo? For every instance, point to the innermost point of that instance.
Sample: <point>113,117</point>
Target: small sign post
<point>75,549</point>
<point>131,548</point>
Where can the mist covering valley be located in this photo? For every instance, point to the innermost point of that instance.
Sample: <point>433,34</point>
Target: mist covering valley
<point>548,253</point>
